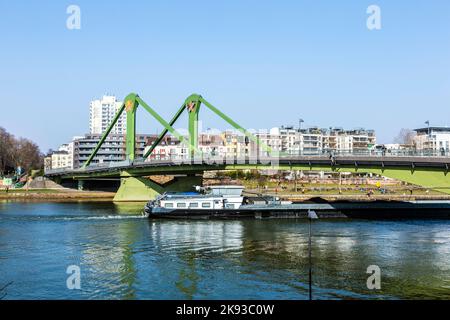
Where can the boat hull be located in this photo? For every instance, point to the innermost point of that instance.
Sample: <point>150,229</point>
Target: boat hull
<point>360,210</point>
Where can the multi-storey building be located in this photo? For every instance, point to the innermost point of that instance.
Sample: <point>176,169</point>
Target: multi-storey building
<point>237,145</point>
<point>362,140</point>
<point>433,140</point>
<point>348,141</point>
<point>101,114</point>
<point>60,159</point>
<point>316,140</point>
<point>169,148</point>
<point>214,143</point>
<point>310,141</point>
<point>112,150</point>
<point>270,138</point>
<point>289,139</point>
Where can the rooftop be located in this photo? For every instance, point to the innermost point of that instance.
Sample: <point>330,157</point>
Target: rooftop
<point>432,129</point>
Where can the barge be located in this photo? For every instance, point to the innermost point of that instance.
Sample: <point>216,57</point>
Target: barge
<point>227,202</point>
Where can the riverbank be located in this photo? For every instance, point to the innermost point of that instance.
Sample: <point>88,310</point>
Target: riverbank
<point>335,197</point>
<point>59,194</point>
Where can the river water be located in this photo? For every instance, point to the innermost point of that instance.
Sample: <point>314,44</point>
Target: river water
<point>121,255</point>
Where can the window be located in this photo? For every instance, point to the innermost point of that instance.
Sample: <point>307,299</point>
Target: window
<point>193,205</point>
<point>181,205</point>
<point>168,205</point>
<point>229,205</point>
<point>206,205</point>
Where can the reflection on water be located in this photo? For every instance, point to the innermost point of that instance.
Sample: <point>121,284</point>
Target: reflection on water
<point>125,256</point>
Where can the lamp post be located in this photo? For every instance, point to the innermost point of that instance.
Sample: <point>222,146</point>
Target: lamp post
<point>300,121</point>
<point>311,216</point>
<point>429,136</point>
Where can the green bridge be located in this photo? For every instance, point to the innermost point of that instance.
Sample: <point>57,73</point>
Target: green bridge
<point>134,174</point>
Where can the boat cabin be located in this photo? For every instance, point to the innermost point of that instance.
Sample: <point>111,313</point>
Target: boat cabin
<point>213,197</point>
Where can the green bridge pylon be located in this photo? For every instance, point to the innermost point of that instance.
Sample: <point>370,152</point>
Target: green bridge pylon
<point>191,105</point>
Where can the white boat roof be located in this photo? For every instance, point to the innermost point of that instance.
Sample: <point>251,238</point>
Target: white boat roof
<point>215,191</point>
<point>226,187</point>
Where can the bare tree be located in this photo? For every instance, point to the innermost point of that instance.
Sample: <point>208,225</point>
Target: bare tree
<point>28,155</point>
<point>18,152</point>
<point>405,136</point>
<point>6,150</point>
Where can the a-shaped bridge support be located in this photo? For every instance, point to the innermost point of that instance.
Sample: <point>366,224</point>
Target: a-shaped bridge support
<point>191,104</point>
<point>144,189</point>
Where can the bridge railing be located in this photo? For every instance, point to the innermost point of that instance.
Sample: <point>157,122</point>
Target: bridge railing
<point>324,153</point>
<point>374,152</point>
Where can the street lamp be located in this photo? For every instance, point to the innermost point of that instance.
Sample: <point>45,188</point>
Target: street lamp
<point>300,121</point>
<point>311,216</point>
<point>429,137</point>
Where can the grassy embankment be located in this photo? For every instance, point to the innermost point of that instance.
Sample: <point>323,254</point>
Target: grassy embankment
<point>305,190</point>
<point>300,190</point>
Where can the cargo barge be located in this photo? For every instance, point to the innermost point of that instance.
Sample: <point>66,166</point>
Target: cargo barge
<point>227,202</point>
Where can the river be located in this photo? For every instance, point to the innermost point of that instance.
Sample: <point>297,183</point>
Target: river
<point>121,255</point>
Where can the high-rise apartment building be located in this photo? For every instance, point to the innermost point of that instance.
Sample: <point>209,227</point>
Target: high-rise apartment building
<point>101,114</point>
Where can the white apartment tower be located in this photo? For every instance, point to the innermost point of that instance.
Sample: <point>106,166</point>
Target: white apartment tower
<point>102,113</point>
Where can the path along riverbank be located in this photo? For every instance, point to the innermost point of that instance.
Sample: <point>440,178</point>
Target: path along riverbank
<point>59,194</point>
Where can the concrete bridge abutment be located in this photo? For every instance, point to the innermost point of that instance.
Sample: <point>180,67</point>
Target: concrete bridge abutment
<point>134,188</point>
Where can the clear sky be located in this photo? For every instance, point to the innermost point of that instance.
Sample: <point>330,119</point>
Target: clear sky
<point>264,63</point>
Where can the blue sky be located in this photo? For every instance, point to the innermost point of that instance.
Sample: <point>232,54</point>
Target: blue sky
<point>264,63</point>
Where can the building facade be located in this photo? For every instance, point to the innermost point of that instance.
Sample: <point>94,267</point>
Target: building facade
<point>112,150</point>
<point>169,148</point>
<point>432,140</point>
<point>314,140</point>
<point>60,159</point>
<point>101,114</point>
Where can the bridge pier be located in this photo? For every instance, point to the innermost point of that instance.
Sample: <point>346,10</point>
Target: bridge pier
<point>80,185</point>
<point>143,189</point>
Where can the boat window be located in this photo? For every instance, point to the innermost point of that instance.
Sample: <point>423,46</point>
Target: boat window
<point>181,205</point>
<point>168,205</point>
<point>193,205</point>
<point>229,206</point>
<point>206,205</point>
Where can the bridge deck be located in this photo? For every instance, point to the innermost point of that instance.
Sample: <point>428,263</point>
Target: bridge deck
<point>194,165</point>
